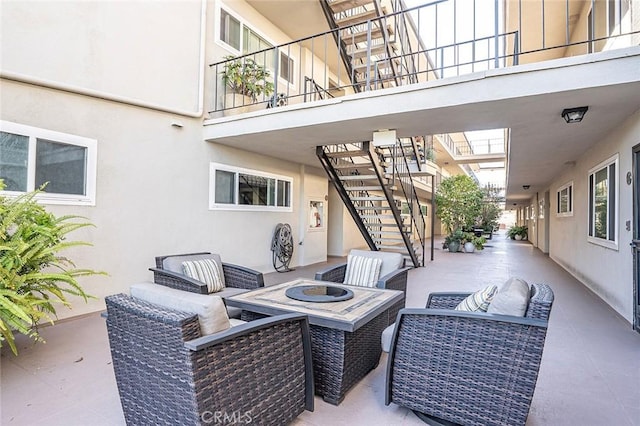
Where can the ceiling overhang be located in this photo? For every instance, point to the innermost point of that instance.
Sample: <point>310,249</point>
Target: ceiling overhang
<point>528,99</point>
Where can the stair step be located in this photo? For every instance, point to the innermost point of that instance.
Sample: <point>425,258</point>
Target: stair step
<point>345,154</point>
<point>372,207</point>
<point>379,216</point>
<point>369,198</point>
<point>342,5</point>
<point>359,177</point>
<point>382,65</point>
<point>383,232</point>
<point>357,18</point>
<point>352,166</point>
<point>385,225</point>
<point>377,80</point>
<point>362,188</point>
<point>398,248</point>
<point>375,50</point>
<point>361,36</point>
<point>387,240</point>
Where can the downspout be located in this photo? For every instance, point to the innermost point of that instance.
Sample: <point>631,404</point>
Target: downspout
<point>35,81</point>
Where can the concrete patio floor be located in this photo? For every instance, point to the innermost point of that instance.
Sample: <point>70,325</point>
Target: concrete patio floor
<point>589,375</point>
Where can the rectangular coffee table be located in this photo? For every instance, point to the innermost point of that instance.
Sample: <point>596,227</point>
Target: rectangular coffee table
<point>345,335</point>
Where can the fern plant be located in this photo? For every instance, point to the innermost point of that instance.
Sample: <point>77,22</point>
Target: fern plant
<point>34,276</point>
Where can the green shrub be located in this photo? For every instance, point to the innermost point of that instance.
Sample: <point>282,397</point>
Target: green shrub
<point>459,202</point>
<point>34,277</point>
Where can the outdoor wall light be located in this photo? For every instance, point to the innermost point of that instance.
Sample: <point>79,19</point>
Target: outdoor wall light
<point>574,115</point>
<point>384,138</point>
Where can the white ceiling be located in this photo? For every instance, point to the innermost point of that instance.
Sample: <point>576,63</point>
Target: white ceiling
<point>527,99</point>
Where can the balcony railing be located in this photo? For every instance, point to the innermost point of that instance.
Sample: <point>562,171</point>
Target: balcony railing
<point>433,41</point>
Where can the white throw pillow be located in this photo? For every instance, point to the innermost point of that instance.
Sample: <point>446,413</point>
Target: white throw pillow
<point>362,271</point>
<point>207,271</point>
<point>211,311</point>
<point>478,301</point>
<point>512,298</point>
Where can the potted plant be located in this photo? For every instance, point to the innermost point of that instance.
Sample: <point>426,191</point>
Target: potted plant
<point>34,276</point>
<point>246,80</point>
<point>479,242</point>
<point>458,202</point>
<point>517,232</point>
<point>454,240</point>
<point>468,242</point>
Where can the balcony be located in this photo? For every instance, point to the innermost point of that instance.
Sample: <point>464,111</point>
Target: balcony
<point>430,42</point>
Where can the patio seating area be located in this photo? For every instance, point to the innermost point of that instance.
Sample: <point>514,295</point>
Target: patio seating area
<point>588,375</point>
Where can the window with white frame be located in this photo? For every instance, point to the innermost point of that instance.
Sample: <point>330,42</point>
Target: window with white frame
<point>229,30</point>
<point>564,200</point>
<point>234,188</point>
<point>31,157</point>
<point>242,39</point>
<point>603,203</point>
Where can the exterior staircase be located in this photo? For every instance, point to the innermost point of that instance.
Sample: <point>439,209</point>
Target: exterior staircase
<point>376,183</point>
<point>376,49</point>
<point>376,186</point>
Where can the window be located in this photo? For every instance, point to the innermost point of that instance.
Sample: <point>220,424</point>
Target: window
<point>286,67</point>
<point>564,200</point>
<point>252,42</point>
<point>31,157</point>
<point>235,188</point>
<point>603,203</point>
<point>229,29</point>
<point>244,40</point>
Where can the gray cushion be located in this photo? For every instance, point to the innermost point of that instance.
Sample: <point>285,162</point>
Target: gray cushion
<point>387,336</point>
<point>174,263</point>
<point>512,298</point>
<point>211,311</point>
<point>230,291</point>
<point>390,261</point>
<point>235,322</point>
<point>234,313</point>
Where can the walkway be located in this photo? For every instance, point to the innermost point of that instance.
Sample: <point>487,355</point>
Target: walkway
<point>589,375</point>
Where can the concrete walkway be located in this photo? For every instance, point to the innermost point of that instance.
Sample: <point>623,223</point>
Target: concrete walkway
<point>589,375</point>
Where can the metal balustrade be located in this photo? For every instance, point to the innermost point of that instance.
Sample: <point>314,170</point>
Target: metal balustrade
<point>414,46</point>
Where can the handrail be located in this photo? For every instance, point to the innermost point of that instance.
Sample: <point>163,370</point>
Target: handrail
<point>317,89</point>
<point>406,183</point>
<point>502,49</point>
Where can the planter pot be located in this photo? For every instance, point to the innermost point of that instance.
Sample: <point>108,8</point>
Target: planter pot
<point>469,247</point>
<point>454,246</point>
<point>235,103</point>
<point>518,237</point>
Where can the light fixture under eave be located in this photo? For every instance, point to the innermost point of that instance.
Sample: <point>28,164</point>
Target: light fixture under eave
<point>574,115</point>
<point>384,138</point>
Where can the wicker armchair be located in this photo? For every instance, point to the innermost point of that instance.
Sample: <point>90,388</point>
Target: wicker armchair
<point>235,276</point>
<point>395,279</point>
<point>466,367</point>
<point>167,374</point>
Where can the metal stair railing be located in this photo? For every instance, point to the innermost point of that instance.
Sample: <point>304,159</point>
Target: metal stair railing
<point>314,91</point>
<point>321,153</point>
<point>337,35</point>
<point>402,173</point>
<point>392,205</point>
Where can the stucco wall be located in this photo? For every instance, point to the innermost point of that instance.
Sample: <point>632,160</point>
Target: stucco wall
<point>152,193</point>
<point>118,47</point>
<point>344,235</point>
<point>608,272</point>
<point>153,190</point>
